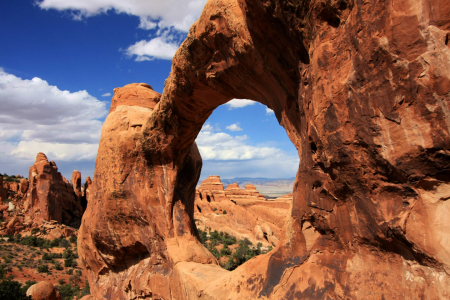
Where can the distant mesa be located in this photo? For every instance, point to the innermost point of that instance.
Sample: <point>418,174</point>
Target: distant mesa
<point>247,213</point>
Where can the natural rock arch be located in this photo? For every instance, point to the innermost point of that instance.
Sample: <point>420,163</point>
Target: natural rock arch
<point>362,90</point>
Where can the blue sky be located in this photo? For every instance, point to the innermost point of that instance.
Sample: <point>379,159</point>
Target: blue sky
<point>60,61</point>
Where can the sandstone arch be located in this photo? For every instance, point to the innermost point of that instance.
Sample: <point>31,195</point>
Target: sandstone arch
<point>362,89</point>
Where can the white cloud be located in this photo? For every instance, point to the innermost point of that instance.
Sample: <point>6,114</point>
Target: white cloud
<point>238,103</point>
<point>230,157</point>
<point>38,117</point>
<point>179,14</point>
<point>234,127</point>
<point>147,23</point>
<point>57,151</point>
<point>161,47</point>
<point>269,111</point>
<point>106,94</point>
<point>222,146</point>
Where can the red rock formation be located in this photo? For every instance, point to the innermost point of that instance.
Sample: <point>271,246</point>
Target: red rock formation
<point>285,198</point>
<point>238,195</point>
<point>43,290</point>
<point>50,196</point>
<point>86,193</point>
<point>362,89</point>
<point>75,181</point>
<point>23,187</point>
<point>133,223</point>
<point>211,189</point>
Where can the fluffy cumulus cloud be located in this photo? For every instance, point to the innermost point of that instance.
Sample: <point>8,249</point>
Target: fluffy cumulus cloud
<point>269,111</point>
<point>179,14</point>
<point>38,117</point>
<point>234,127</point>
<point>228,155</point>
<point>238,103</point>
<point>106,95</point>
<point>161,47</point>
<point>172,18</point>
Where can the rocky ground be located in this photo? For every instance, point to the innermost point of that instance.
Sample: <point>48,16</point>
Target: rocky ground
<point>31,259</point>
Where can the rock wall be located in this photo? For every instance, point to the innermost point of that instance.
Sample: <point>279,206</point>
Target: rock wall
<point>362,89</point>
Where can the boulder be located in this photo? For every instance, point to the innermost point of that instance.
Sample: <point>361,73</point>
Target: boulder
<point>43,290</point>
<point>55,233</point>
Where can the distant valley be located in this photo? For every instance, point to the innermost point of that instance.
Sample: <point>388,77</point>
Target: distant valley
<point>271,187</point>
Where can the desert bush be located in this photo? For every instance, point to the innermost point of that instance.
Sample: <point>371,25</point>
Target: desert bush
<point>10,289</point>
<point>67,291</point>
<point>58,266</point>
<point>64,243</point>
<point>42,269</point>
<point>68,262</point>
<point>55,242</point>
<point>73,239</point>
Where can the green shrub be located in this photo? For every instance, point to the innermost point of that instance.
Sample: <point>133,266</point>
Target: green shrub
<point>10,289</point>
<point>73,239</point>
<point>67,291</point>
<point>64,243</point>
<point>86,290</point>
<point>224,212</point>
<point>68,262</point>
<point>27,285</point>
<point>42,269</point>
<point>70,271</point>
<point>61,281</point>
<point>55,242</point>
<point>58,266</point>
<point>78,272</point>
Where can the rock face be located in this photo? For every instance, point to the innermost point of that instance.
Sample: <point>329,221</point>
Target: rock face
<point>50,196</point>
<point>138,218</point>
<point>43,290</point>
<point>362,89</point>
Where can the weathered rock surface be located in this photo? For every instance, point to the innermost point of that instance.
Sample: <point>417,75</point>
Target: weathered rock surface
<point>50,196</point>
<point>362,89</point>
<point>133,223</point>
<point>43,290</point>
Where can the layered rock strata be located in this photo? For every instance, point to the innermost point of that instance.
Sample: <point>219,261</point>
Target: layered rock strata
<point>212,189</point>
<point>235,193</point>
<point>362,89</point>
